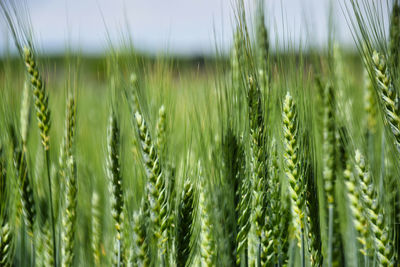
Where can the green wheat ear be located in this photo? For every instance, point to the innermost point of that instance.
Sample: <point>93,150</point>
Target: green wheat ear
<point>207,242</point>
<point>292,163</point>
<point>258,169</point>
<point>271,237</point>
<point>388,95</point>
<point>356,207</point>
<point>156,189</point>
<point>184,224</point>
<point>374,213</point>
<point>41,97</point>
<point>140,238</point>
<point>116,186</point>
<point>69,215</point>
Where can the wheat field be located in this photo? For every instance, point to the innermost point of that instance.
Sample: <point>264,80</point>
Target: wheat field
<point>256,157</point>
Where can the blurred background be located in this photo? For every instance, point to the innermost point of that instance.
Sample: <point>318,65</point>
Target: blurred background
<point>177,26</point>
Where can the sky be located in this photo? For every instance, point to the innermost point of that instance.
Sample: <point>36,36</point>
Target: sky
<point>178,26</point>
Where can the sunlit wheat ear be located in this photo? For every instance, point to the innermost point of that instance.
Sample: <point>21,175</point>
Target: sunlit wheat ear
<point>25,114</point>
<point>207,242</point>
<point>388,96</point>
<point>313,229</point>
<point>69,215</point>
<point>7,247</point>
<point>140,238</point>
<point>292,163</point>
<point>40,97</point>
<point>374,213</point>
<point>395,35</point>
<point>116,186</point>
<point>184,224</point>
<point>356,207</point>
<point>155,185</point>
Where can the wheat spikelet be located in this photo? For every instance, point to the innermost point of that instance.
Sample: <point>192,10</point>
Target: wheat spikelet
<point>69,215</point>
<point>374,213</point>
<point>41,98</point>
<point>292,163</point>
<point>155,186</point>
<point>184,224</point>
<point>388,95</point>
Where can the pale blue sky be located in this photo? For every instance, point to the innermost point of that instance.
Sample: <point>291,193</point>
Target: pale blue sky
<point>181,26</point>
